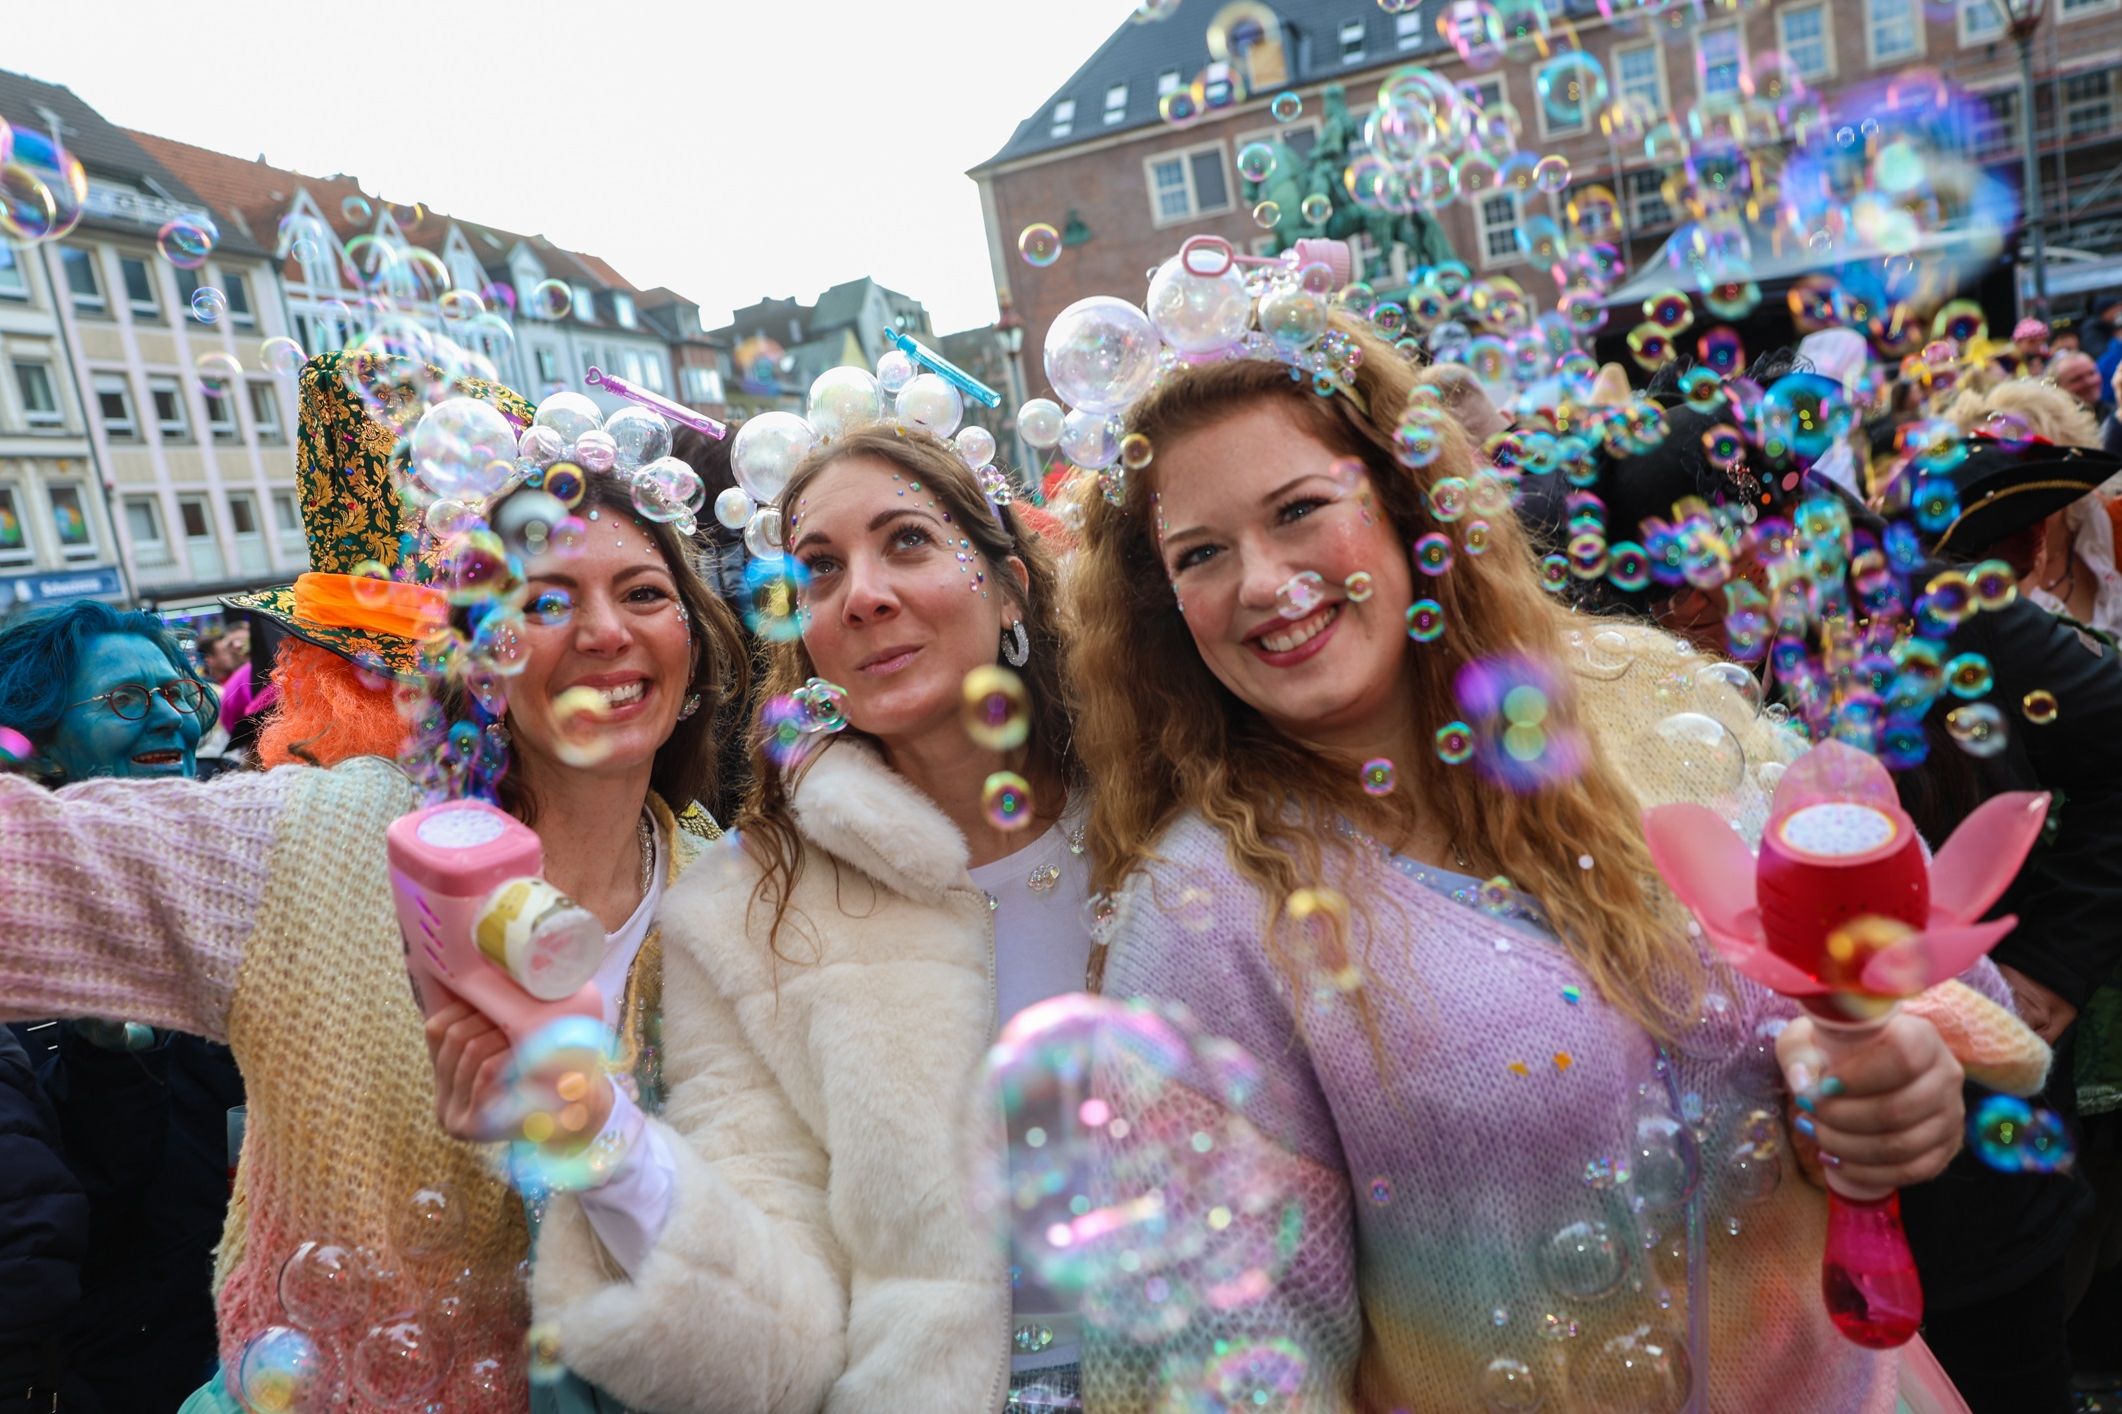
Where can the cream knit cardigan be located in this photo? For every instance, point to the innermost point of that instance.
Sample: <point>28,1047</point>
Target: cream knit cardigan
<point>819,1252</point>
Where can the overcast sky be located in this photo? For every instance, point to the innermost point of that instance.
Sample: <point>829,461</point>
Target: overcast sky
<point>731,149</point>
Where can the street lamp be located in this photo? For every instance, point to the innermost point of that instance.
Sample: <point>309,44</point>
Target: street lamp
<point>2022,18</point>
<point>1009,333</point>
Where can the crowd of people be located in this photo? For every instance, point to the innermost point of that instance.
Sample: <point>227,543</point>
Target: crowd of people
<point>1214,740</point>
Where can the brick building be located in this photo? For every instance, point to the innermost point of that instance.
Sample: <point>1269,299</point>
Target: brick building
<point>1099,160</point>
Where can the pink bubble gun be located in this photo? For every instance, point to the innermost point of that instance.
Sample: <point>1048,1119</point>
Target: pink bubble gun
<point>946,370</point>
<point>1842,912</point>
<point>634,393</point>
<point>480,925</point>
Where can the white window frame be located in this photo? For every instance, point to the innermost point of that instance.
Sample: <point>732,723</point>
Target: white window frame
<point>178,429</point>
<point>206,515</point>
<point>2066,12</point>
<point>12,497</point>
<point>1738,33</point>
<point>127,428</point>
<point>152,549</point>
<point>1914,11</point>
<point>16,288</point>
<point>96,301</point>
<point>39,419</point>
<point>1352,41</point>
<point>246,317</point>
<point>1407,30</point>
<point>223,423</point>
<point>1997,30</point>
<point>1827,38</point>
<point>1062,121</point>
<point>547,362</point>
<point>151,307</point>
<point>287,516</point>
<point>1278,133</point>
<point>623,309</point>
<point>1478,88</point>
<point>1550,128</point>
<point>1632,199</point>
<point>1170,81</point>
<point>249,501</point>
<point>87,549</point>
<point>582,303</point>
<point>1662,102</point>
<point>1484,228</point>
<point>2066,104</point>
<point>1115,104</point>
<point>1185,158</point>
<point>2008,141</point>
<point>269,428</point>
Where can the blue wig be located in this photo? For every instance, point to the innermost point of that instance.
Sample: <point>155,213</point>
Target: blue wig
<point>38,651</point>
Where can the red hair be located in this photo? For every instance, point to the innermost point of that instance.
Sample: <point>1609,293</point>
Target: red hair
<point>326,713</point>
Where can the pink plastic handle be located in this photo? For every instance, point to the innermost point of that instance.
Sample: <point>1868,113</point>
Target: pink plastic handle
<point>1210,256</point>
<point>677,412</point>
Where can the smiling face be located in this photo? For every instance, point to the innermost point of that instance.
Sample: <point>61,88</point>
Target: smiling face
<point>603,627</point>
<point>902,605</point>
<point>1247,506</point>
<point>92,740</point>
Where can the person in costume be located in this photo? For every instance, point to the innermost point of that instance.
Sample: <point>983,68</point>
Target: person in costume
<point>814,1250</point>
<point>1540,1146</point>
<point>258,910</point>
<point>102,692</point>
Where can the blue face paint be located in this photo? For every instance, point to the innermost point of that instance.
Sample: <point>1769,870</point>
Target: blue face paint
<point>92,740</point>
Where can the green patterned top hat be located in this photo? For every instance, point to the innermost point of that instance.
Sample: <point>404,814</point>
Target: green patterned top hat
<point>356,410</point>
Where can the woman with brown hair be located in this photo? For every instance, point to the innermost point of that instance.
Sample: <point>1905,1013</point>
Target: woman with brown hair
<point>1537,1141</point>
<point>834,975</point>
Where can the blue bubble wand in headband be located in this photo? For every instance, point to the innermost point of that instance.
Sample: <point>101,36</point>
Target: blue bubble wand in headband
<point>946,370</point>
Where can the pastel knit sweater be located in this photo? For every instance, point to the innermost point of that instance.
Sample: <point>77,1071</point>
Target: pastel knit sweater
<point>257,910</point>
<point>1531,1205</point>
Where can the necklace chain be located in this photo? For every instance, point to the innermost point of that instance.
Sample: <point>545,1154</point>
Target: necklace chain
<point>648,853</point>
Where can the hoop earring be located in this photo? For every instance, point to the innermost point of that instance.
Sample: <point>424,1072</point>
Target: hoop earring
<point>1017,645</point>
<point>689,706</point>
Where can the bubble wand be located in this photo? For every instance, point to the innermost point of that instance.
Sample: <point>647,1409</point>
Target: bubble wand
<point>946,370</point>
<point>1842,912</point>
<point>677,412</point>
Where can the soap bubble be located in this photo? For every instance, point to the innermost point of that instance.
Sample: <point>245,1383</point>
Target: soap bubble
<point>1691,748</point>
<point>1134,1179</point>
<point>1643,1370</point>
<point>219,373</point>
<point>773,595</point>
<point>569,415</point>
<point>1199,314</point>
<point>1508,1386</point>
<point>1293,318</point>
<point>1039,423</point>
<point>997,709</point>
<point>733,508</point>
<point>596,450</point>
<point>1572,87</point>
<point>1101,354</point>
<point>1089,439</point>
<point>2039,706</point>
<point>550,299</point>
<point>1316,209</point>
<point>766,452</point>
<point>281,356</point>
<point>763,536</point>
<point>975,446</point>
<point>186,241</point>
<point>1455,743</point>
<point>1300,595</point>
<point>284,1371</point>
<point>1425,621</point>
<point>843,399</point>
<point>545,1091</point>
<point>640,436</point>
<point>668,490</point>
<point>399,1361</point>
<point>326,1286</point>
<point>463,449</point>
<point>1378,776</point>
<point>1006,800</point>
<point>43,187</point>
<point>930,402</point>
<point>1256,161</point>
<point>894,371</point>
<point>1978,728</point>
<point>1039,244</point>
<point>1582,1260</point>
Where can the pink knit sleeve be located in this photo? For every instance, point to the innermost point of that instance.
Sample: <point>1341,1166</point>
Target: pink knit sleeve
<point>132,899</point>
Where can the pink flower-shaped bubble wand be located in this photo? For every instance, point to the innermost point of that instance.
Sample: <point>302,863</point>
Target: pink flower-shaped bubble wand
<point>1842,911</point>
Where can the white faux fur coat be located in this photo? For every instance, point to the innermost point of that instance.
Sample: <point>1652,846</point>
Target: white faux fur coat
<point>820,1253</point>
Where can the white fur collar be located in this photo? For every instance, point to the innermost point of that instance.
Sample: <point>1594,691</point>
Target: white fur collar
<point>854,807</point>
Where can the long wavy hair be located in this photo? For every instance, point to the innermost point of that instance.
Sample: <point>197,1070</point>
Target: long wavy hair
<point>1162,736</point>
<point>767,819</point>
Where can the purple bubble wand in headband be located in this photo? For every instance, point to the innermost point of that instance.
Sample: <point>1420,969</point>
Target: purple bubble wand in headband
<point>946,370</point>
<point>677,412</point>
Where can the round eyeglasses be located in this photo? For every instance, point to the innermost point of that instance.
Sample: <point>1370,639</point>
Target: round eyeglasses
<point>131,701</point>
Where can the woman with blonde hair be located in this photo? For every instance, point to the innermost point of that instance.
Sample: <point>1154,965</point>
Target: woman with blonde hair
<point>833,977</point>
<point>1537,1141</point>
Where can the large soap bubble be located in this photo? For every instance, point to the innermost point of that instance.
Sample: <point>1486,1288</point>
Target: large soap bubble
<point>1101,354</point>
<point>1089,439</point>
<point>463,449</point>
<point>1198,314</point>
<point>569,414</point>
<point>931,404</point>
<point>766,452</point>
<point>638,437</point>
<point>1134,1178</point>
<point>842,399</point>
